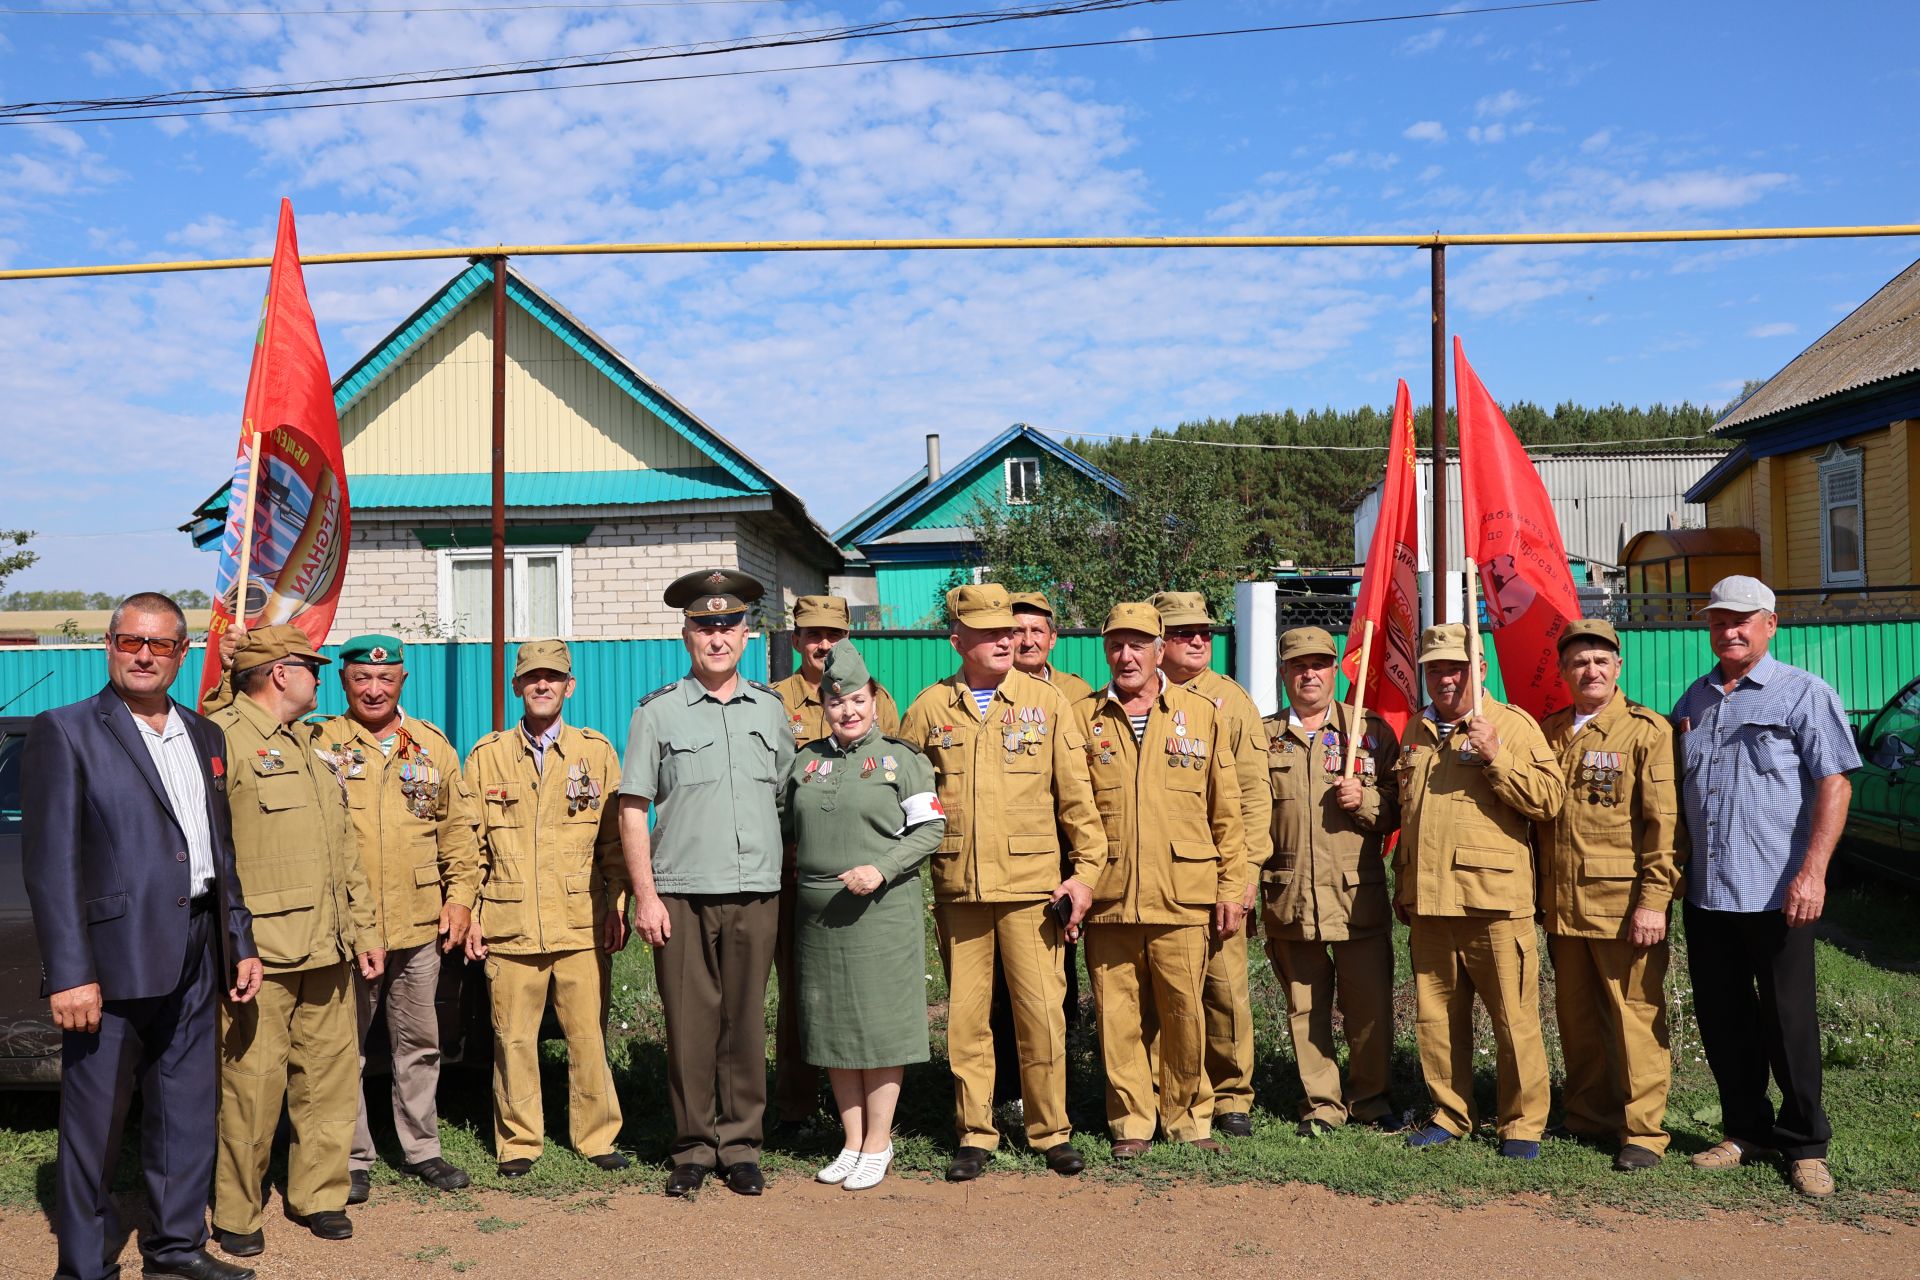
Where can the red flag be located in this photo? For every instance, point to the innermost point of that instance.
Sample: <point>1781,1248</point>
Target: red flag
<point>1390,586</point>
<point>301,521</point>
<point>1514,538</point>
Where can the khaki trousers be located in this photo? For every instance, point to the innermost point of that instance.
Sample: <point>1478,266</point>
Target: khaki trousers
<point>406,992</point>
<point>1359,975</point>
<point>518,988</point>
<point>293,1042</point>
<point>1228,1005</point>
<point>796,1082</point>
<point>1163,968</point>
<point>713,989</point>
<point>1027,942</point>
<point>1454,959</point>
<point>1610,999</point>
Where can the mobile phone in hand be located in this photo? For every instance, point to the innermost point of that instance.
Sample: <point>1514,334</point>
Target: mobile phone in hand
<point>1061,909</point>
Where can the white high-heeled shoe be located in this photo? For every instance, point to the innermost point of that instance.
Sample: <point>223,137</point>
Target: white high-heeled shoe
<point>869,1170</point>
<point>843,1164</point>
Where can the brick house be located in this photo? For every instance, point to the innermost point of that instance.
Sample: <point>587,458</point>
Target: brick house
<point>614,488</point>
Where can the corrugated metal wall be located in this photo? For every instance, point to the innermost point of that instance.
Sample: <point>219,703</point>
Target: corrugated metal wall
<point>446,683</point>
<point>1593,497</point>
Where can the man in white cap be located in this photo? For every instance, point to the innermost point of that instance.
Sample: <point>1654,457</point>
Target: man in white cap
<point>1765,750</point>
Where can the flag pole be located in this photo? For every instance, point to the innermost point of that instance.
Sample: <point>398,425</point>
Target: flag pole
<point>246,526</point>
<point>1359,698</point>
<point>1473,630</point>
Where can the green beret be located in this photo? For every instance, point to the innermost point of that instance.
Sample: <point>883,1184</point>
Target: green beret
<point>376,651</point>
<point>845,671</point>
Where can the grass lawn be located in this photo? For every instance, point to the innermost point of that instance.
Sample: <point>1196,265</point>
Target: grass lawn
<point>1869,992</point>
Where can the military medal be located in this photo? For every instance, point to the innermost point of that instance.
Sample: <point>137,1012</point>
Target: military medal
<point>867,767</point>
<point>813,767</point>
<point>826,767</point>
<point>1180,723</point>
<point>946,735</point>
<point>891,766</point>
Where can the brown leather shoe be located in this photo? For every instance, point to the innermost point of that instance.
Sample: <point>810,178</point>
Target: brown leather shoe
<point>1130,1148</point>
<point>1731,1153</point>
<point>1209,1146</point>
<point>1811,1178</point>
<point>968,1163</point>
<point>1064,1159</point>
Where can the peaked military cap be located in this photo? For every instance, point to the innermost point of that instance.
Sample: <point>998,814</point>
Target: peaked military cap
<point>1030,602</point>
<point>265,645</point>
<point>1182,609</point>
<point>822,611</point>
<point>1590,629</point>
<point>1133,616</point>
<point>543,655</point>
<point>713,593</point>
<point>375,650</point>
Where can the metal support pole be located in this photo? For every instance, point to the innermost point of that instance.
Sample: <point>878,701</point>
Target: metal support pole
<point>499,494</point>
<point>1437,542</point>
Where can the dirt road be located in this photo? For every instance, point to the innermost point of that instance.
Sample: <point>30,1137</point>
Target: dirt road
<point>1024,1228</point>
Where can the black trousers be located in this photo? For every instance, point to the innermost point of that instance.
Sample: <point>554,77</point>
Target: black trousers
<point>167,1043</point>
<point>1753,995</point>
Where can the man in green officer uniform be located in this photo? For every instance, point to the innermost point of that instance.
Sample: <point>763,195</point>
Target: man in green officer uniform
<point>819,623</point>
<point>415,821</point>
<point>313,918</point>
<point>705,755</point>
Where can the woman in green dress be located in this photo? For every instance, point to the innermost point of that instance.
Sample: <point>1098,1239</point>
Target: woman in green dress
<point>862,811</point>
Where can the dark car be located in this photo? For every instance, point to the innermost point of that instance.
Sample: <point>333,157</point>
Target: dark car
<point>29,1042</point>
<point>1883,823</point>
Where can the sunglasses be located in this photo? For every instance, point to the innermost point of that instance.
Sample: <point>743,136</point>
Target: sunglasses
<point>162,646</point>
<point>311,668</point>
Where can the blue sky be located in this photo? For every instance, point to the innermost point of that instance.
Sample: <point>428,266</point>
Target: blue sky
<point>121,396</point>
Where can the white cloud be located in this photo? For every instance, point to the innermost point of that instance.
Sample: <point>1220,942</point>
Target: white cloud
<point>1696,190</point>
<point>1425,42</point>
<point>1425,131</point>
<point>1504,103</point>
<point>1489,134</point>
<point>1778,329</point>
<point>1596,141</point>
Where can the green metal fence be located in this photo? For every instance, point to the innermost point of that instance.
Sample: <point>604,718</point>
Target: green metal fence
<point>447,683</point>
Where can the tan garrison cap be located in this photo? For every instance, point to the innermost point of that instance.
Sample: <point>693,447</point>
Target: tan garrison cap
<point>1030,602</point>
<point>543,655</point>
<point>1589,629</point>
<point>1444,643</point>
<point>1182,609</point>
<point>713,593</point>
<point>1133,616</point>
<point>822,611</point>
<point>985,607</point>
<point>1305,642</point>
<point>264,645</point>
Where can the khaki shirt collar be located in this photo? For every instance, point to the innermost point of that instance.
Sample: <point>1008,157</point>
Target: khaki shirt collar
<point>1607,719</point>
<point>1110,696</point>
<point>259,717</point>
<point>365,734</point>
<point>962,692</point>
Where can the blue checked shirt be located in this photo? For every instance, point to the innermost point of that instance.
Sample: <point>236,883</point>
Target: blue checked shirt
<point>1748,769</point>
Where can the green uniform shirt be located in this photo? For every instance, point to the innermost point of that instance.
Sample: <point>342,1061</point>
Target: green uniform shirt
<point>844,807</point>
<point>711,771</point>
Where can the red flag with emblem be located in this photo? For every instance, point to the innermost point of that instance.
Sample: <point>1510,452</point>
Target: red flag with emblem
<point>1512,535</point>
<point>297,487</point>
<point>1390,585</point>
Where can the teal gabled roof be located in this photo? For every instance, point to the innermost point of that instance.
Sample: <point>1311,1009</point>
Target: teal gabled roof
<point>546,489</point>
<point>929,497</point>
<point>845,536</point>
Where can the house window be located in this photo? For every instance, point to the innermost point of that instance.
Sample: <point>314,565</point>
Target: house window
<point>539,592</point>
<point>1842,549</point>
<point>1023,480</point>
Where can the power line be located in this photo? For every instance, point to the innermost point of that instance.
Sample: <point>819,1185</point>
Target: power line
<point>1360,448</point>
<point>1115,42</point>
<point>79,108</point>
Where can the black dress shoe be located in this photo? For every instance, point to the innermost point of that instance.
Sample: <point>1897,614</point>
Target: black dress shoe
<point>611,1162</point>
<point>686,1179</point>
<point>745,1179</point>
<point>514,1168</point>
<point>242,1244</point>
<point>1386,1122</point>
<point>328,1224</point>
<point>1064,1159</point>
<point>1235,1124</point>
<point>195,1266</point>
<point>1632,1157</point>
<point>968,1163</point>
<point>359,1186</point>
<point>438,1174</point>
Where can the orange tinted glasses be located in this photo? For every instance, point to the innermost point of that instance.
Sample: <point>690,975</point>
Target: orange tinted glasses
<point>162,646</point>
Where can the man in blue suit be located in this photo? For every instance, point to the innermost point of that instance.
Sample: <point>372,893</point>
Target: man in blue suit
<point>129,867</point>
